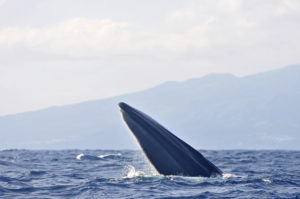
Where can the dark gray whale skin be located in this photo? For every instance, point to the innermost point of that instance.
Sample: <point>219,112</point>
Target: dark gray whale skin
<point>166,152</point>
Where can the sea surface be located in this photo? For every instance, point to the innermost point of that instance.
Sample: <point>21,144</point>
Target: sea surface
<point>127,174</point>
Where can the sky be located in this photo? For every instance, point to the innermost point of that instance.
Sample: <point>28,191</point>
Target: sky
<point>56,52</point>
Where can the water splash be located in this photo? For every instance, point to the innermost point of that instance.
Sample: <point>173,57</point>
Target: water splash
<point>130,172</point>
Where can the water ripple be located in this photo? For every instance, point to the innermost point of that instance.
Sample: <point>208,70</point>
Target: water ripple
<point>127,174</point>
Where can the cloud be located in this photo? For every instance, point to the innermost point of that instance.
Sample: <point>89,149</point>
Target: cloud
<point>2,2</point>
<point>93,56</point>
<point>208,30</point>
<point>204,29</point>
<point>288,7</point>
<point>230,5</point>
<point>181,16</point>
<point>83,37</point>
<point>75,36</point>
<point>90,37</point>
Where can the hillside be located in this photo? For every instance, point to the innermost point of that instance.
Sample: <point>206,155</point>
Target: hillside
<point>217,111</point>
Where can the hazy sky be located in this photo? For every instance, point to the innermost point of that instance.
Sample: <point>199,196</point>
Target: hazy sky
<point>55,52</point>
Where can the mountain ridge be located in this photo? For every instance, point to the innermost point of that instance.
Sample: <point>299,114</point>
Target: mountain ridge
<point>217,111</point>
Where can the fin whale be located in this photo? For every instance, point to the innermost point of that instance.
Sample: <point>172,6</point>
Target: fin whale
<point>166,152</point>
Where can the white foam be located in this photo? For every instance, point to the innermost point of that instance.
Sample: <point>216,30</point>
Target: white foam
<point>230,175</point>
<point>189,178</point>
<point>78,157</point>
<point>108,155</point>
<point>266,180</point>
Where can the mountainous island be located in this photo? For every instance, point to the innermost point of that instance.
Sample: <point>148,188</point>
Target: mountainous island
<point>217,111</point>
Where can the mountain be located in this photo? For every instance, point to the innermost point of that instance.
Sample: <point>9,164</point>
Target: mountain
<point>217,111</point>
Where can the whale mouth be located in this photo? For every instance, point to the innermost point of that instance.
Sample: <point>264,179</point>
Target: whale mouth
<point>167,153</point>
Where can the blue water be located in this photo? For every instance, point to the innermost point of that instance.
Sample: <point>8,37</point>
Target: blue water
<point>126,174</point>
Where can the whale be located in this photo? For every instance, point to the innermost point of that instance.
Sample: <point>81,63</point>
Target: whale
<point>168,154</point>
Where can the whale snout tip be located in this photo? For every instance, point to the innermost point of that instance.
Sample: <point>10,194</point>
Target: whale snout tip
<point>122,105</point>
<point>125,108</point>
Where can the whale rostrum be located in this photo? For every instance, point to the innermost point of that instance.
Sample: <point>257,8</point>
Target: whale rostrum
<point>166,152</point>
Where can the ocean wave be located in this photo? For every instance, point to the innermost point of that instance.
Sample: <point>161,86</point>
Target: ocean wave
<point>230,175</point>
<point>110,155</point>
<point>83,156</point>
<point>37,173</point>
<point>126,174</point>
<point>79,156</point>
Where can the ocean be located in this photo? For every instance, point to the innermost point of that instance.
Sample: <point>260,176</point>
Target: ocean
<point>127,174</point>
